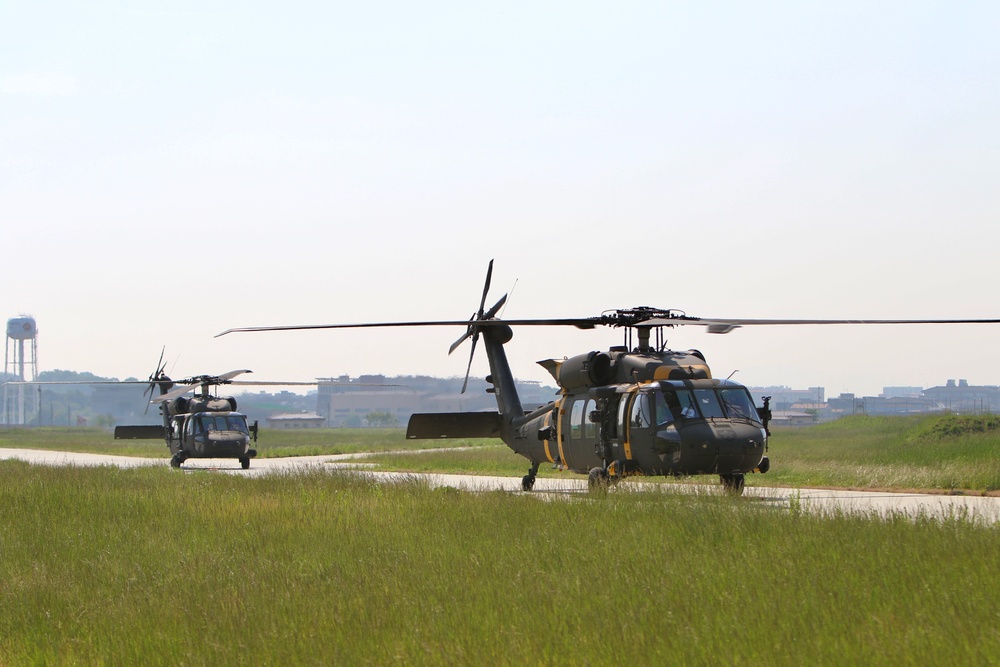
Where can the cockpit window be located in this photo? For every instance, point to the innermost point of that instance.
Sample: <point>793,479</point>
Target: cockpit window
<point>221,423</point>
<point>236,424</point>
<point>668,407</point>
<point>708,403</point>
<point>738,404</point>
<point>688,406</point>
<point>641,415</point>
<point>672,404</point>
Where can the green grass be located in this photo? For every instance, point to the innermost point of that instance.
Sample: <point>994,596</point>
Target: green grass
<point>943,452</point>
<point>147,566</point>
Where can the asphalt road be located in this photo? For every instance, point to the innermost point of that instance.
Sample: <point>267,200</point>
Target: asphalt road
<point>986,509</point>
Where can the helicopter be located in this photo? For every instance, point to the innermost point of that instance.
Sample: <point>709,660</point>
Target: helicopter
<point>635,409</point>
<point>200,426</point>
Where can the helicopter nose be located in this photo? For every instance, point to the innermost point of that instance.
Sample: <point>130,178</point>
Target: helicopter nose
<point>721,446</point>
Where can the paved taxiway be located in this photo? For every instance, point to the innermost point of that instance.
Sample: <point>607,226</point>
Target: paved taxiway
<point>986,509</point>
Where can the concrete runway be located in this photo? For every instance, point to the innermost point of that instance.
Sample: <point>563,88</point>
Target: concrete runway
<point>980,508</point>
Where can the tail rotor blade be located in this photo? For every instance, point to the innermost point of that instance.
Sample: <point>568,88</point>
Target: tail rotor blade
<point>468,369</point>
<point>486,289</point>
<point>455,345</point>
<point>492,312</point>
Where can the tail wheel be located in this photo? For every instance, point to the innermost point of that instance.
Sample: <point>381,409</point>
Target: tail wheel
<point>598,479</point>
<point>733,484</point>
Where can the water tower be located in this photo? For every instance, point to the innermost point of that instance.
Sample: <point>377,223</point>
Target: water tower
<point>22,333</point>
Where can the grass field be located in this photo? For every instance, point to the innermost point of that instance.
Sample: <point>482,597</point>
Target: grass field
<point>147,566</point>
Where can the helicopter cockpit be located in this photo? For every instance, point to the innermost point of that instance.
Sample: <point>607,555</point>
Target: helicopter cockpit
<point>684,416</point>
<point>203,423</point>
<point>672,401</point>
<point>220,422</point>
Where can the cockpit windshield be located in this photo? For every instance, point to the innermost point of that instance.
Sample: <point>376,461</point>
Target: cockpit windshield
<point>738,404</point>
<point>223,423</point>
<point>673,404</point>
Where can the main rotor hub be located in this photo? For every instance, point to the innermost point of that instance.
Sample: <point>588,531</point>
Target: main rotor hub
<point>632,317</point>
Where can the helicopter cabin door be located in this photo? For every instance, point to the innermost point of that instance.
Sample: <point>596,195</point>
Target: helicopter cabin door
<point>581,435</point>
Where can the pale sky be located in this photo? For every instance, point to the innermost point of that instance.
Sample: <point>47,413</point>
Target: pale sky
<point>172,170</point>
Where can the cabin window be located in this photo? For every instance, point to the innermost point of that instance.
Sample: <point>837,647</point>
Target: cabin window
<point>589,427</point>
<point>576,420</point>
<point>612,424</point>
<point>622,415</point>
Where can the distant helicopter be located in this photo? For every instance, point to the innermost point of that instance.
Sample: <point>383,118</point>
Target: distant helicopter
<point>638,408</point>
<point>202,426</point>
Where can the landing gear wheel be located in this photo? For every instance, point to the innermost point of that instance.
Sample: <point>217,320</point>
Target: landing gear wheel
<point>733,484</point>
<point>528,481</point>
<point>598,479</point>
<point>616,472</point>
<point>175,461</point>
<point>245,463</point>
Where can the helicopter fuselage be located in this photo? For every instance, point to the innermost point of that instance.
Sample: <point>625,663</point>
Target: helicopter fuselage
<point>214,435</point>
<point>620,412</point>
<point>207,427</point>
<point>644,428</point>
<point>202,426</point>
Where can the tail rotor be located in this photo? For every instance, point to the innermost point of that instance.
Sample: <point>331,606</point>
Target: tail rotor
<point>473,331</point>
<point>158,377</point>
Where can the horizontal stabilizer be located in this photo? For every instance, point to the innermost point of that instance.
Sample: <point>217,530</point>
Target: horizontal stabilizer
<point>139,433</point>
<point>454,425</point>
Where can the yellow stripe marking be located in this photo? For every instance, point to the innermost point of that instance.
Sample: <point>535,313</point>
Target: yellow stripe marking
<point>633,395</point>
<point>559,431</point>
<point>545,443</point>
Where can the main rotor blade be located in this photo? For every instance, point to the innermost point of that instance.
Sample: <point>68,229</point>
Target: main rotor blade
<point>725,325</point>
<point>95,382</point>
<point>173,393</point>
<point>579,322</point>
<point>231,374</point>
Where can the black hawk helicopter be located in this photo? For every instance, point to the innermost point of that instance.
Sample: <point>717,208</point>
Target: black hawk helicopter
<point>199,426</point>
<point>638,408</point>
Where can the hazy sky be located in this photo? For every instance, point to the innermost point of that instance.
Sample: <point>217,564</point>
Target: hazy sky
<point>171,170</point>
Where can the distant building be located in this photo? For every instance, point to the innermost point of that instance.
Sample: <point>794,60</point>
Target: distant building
<point>902,392</point>
<point>346,401</point>
<point>963,397</point>
<point>792,418</point>
<point>295,421</point>
<point>783,398</point>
